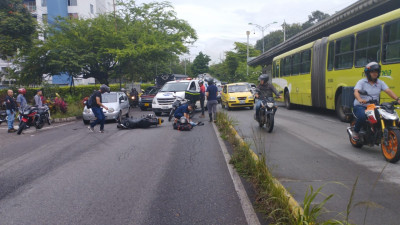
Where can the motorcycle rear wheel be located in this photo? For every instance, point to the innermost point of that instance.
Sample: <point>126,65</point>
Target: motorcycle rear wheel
<point>270,123</point>
<point>39,124</point>
<point>356,144</point>
<point>22,126</point>
<point>391,152</point>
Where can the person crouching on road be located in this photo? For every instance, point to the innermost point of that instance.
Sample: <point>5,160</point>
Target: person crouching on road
<point>97,110</point>
<point>183,110</point>
<point>212,102</point>
<point>11,108</point>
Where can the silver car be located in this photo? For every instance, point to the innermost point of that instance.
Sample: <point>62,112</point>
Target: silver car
<point>117,103</point>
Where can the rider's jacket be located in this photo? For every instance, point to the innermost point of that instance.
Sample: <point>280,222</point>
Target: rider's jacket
<point>266,90</point>
<point>373,90</point>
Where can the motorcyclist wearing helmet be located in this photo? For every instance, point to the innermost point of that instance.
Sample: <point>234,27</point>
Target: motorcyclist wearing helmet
<point>373,86</point>
<point>202,97</point>
<point>21,100</point>
<point>97,110</point>
<point>264,90</point>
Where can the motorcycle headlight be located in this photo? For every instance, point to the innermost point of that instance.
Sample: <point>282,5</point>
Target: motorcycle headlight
<point>110,110</point>
<point>232,98</point>
<point>270,104</point>
<point>133,97</point>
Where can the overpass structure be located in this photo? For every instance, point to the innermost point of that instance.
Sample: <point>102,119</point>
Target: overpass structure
<point>354,14</point>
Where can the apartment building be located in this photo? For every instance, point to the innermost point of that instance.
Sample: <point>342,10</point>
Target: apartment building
<point>47,10</point>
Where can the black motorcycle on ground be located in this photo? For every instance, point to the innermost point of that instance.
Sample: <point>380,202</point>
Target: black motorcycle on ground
<point>381,128</point>
<point>266,113</point>
<point>144,122</point>
<point>44,117</point>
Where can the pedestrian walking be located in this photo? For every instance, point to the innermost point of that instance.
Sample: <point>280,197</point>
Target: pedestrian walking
<point>97,108</point>
<point>11,108</point>
<point>202,97</point>
<point>212,102</point>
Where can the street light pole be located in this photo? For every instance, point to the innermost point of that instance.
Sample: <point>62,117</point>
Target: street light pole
<point>262,28</point>
<point>247,60</point>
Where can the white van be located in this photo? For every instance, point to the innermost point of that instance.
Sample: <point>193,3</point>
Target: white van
<point>162,102</point>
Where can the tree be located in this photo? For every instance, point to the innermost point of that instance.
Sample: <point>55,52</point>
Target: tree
<point>17,28</point>
<point>200,64</point>
<point>314,18</point>
<point>133,44</point>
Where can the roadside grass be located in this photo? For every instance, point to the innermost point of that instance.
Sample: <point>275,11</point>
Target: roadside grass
<point>271,199</point>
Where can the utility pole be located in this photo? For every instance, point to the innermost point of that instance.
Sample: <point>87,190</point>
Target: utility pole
<point>284,31</point>
<point>247,59</point>
<point>262,28</point>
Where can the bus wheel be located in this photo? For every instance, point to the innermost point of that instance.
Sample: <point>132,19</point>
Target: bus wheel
<point>340,111</point>
<point>288,105</point>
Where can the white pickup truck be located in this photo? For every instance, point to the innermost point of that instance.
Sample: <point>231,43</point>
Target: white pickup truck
<point>162,102</point>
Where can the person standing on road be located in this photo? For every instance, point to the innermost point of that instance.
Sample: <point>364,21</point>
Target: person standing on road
<point>373,86</point>
<point>21,100</point>
<point>11,108</point>
<point>202,97</point>
<point>212,102</point>
<point>38,99</point>
<point>96,108</point>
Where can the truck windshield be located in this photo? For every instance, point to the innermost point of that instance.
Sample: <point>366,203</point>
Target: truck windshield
<point>173,87</point>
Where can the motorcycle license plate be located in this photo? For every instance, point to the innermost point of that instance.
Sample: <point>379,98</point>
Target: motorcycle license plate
<point>242,102</point>
<point>146,104</point>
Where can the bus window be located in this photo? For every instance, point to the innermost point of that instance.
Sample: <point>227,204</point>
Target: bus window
<point>330,55</point>
<point>305,61</point>
<point>296,63</point>
<point>344,53</point>
<point>391,43</point>
<point>368,47</point>
<point>287,67</point>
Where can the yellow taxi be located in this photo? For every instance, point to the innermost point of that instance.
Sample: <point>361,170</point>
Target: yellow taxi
<point>237,95</point>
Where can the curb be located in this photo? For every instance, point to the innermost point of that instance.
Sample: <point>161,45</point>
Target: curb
<point>293,204</point>
<point>68,119</point>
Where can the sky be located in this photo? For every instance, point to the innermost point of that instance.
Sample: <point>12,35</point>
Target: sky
<point>220,23</point>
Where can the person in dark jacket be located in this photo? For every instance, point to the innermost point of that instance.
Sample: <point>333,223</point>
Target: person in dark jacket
<point>11,108</point>
<point>183,110</point>
<point>264,90</point>
<point>97,110</point>
<point>212,101</point>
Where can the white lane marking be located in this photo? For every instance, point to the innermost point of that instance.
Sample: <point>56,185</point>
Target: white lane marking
<point>251,216</point>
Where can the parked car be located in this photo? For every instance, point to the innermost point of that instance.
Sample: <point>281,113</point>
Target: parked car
<point>146,99</point>
<point>117,103</point>
<point>162,102</point>
<point>237,95</point>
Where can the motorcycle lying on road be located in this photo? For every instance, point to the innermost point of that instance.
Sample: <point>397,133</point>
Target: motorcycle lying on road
<point>381,128</point>
<point>144,122</point>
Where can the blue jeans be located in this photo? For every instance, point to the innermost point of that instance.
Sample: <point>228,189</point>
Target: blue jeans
<point>10,118</point>
<point>359,111</point>
<point>258,105</point>
<point>98,113</point>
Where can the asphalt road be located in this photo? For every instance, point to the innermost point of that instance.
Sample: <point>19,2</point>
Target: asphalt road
<point>67,175</point>
<point>311,147</point>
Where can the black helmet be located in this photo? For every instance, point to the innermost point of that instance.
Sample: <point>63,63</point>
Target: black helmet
<point>372,66</point>
<point>183,120</point>
<point>264,77</point>
<point>104,88</point>
<point>210,81</point>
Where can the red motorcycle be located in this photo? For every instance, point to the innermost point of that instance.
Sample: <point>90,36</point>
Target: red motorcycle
<point>28,117</point>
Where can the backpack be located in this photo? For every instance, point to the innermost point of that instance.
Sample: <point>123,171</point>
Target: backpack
<point>184,126</point>
<point>89,102</point>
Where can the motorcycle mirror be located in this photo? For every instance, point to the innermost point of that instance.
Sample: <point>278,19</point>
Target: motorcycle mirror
<point>362,92</point>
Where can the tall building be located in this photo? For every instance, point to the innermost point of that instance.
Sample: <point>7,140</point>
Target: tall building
<point>47,10</point>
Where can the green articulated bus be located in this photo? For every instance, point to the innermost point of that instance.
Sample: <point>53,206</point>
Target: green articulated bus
<point>316,74</point>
